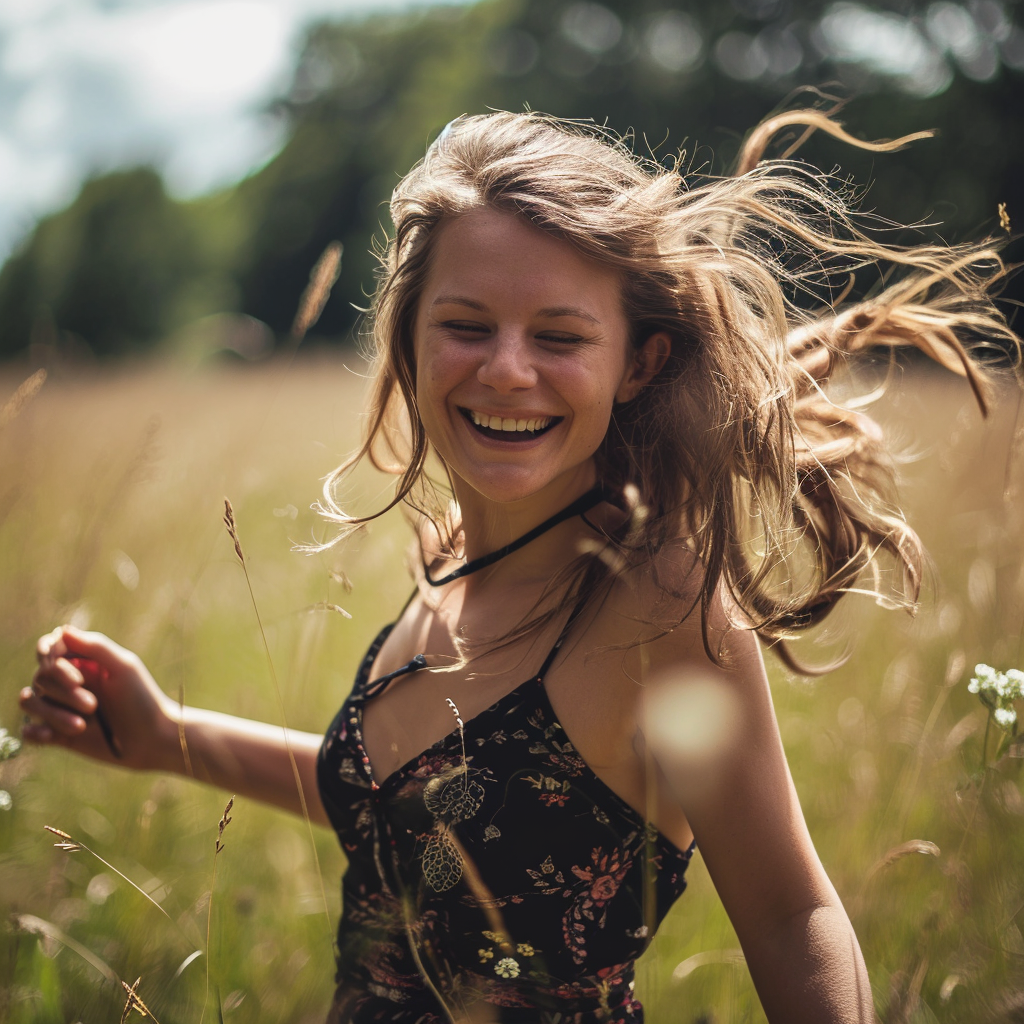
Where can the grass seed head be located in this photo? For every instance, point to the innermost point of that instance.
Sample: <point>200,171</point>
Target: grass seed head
<point>611,557</point>
<point>223,824</point>
<point>327,606</point>
<point>229,522</point>
<point>26,391</point>
<point>340,577</point>
<point>454,709</point>
<point>922,846</point>
<point>69,845</point>
<point>134,1002</point>
<point>1004,218</point>
<point>321,280</point>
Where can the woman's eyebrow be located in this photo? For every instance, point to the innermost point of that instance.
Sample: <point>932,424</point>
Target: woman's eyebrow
<point>548,312</point>
<point>458,300</point>
<point>581,314</point>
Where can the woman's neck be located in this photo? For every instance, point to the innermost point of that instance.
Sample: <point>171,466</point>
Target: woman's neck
<point>490,525</point>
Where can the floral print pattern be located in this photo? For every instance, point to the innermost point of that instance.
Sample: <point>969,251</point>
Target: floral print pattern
<point>506,967</point>
<point>494,867</point>
<point>602,879</point>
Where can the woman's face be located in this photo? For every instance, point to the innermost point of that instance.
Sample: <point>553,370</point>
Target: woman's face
<point>521,349</point>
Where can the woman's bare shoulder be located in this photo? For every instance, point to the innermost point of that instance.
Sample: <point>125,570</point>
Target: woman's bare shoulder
<point>659,594</point>
<point>659,605</point>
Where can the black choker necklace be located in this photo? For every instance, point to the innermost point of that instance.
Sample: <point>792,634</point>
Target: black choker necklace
<point>584,503</point>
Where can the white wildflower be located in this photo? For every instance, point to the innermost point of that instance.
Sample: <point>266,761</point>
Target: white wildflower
<point>1015,683</point>
<point>1005,717</point>
<point>507,968</point>
<point>998,691</point>
<point>986,682</point>
<point>9,746</point>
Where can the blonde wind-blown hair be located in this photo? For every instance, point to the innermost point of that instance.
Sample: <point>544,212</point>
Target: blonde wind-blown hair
<point>736,446</point>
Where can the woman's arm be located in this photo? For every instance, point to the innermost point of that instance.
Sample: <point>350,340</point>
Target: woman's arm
<point>735,788</point>
<point>249,758</point>
<point>81,672</point>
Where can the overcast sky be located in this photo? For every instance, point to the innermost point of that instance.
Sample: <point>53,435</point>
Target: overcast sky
<point>88,85</point>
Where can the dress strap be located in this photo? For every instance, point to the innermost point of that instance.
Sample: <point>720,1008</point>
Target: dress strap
<point>553,653</point>
<point>372,688</point>
<point>369,688</point>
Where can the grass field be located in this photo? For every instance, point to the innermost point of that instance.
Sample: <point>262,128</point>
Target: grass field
<point>111,495</point>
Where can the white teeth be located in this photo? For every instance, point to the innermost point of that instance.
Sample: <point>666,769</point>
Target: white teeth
<point>507,424</point>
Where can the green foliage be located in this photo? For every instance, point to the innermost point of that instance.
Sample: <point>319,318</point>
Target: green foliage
<point>368,96</point>
<point>367,100</point>
<point>124,264</point>
<point>109,268</point>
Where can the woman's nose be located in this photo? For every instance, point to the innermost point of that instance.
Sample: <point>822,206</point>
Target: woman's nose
<point>508,363</point>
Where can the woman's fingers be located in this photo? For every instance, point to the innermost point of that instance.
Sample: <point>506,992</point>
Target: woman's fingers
<point>72,662</point>
<point>59,698</point>
<point>59,672</point>
<point>51,725</point>
<point>50,646</point>
<point>50,712</point>
<point>95,646</point>
<point>64,683</point>
<point>94,696</point>
<point>70,642</point>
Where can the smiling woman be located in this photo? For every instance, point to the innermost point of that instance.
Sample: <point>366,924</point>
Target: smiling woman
<point>491,359</point>
<point>622,377</point>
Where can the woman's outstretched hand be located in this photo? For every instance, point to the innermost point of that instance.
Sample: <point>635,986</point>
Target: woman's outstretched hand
<point>95,697</point>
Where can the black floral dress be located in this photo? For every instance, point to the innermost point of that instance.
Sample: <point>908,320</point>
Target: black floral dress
<point>494,877</point>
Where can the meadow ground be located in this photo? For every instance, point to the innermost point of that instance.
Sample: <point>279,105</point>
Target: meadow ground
<point>111,496</point>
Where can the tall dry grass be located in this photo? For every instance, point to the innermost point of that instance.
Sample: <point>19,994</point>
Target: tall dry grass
<point>111,490</point>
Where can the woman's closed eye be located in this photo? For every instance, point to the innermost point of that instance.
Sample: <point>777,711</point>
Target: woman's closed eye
<point>470,328</point>
<point>466,327</point>
<point>564,339</point>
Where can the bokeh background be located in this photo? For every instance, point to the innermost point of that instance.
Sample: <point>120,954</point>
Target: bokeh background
<point>169,173</point>
<point>194,92</point>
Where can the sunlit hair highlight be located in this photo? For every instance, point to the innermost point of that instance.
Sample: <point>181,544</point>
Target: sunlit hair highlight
<point>737,447</point>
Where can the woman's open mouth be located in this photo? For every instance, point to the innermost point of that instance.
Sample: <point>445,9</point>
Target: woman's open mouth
<point>500,428</point>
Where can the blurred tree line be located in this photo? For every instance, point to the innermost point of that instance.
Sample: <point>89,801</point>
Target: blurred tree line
<point>125,266</point>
